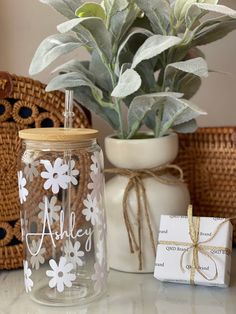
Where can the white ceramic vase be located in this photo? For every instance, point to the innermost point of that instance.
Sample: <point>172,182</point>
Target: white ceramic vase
<point>162,198</point>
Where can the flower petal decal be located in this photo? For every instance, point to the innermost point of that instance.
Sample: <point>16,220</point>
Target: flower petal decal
<point>60,274</point>
<point>91,211</point>
<point>73,173</point>
<point>53,210</point>
<point>96,185</point>
<point>56,175</point>
<point>24,226</point>
<point>73,253</point>
<point>38,259</point>
<point>95,167</point>
<point>100,277</point>
<point>100,251</point>
<point>23,192</point>
<point>31,171</point>
<point>27,273</point>
<point>96,176</point>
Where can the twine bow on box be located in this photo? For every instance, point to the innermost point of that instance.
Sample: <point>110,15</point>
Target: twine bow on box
<point>198,247</point>
<point>136,182</point>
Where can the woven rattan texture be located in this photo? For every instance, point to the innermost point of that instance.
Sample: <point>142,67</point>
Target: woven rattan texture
<point>208,159</point>
<point>23,104</point>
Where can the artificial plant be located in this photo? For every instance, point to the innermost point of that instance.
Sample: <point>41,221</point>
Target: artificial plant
<point>144,57</point>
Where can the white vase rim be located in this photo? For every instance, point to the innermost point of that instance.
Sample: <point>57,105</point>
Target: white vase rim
<point>162,138</point>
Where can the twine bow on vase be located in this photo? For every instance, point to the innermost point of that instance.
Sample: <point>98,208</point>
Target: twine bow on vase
<point>136,183</point>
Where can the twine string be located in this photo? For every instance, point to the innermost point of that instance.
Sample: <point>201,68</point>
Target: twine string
<point>136,183</point>
<point>198,247</point>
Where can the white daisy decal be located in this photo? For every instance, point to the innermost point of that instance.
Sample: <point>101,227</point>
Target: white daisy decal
<point>73,253</point>
<point>56,175</point>
<point>100,251</point>
<point>23,192</point>
<point>91,211</point>
<point>100,277</point>
<point>73,173</point>
<point>53,209</point>
<point>96,185</point>
<point>31,171</point>
<point>24,226</point>
<point>102,225</point>
<point>95,166</point>
<point>38,259</point>
<point>27,273</point>
<point>60,274</point>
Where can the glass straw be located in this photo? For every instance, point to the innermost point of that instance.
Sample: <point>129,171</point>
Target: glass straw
<point>68,123</point>
<point>69,114</point>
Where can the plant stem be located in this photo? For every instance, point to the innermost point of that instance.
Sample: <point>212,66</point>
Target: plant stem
<point>117,103</point>
<point>159,118</point>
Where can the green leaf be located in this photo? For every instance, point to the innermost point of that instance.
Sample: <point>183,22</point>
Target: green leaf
<point>71,80</point>
<point>65,7</point>
<point>91,9</point>
<point>114,6</point>
<point>182,7</point>
<point>85,97</point>
<point>196,66</point>
<point>215,32</point>
<point>74,66</point>
<point>100,73</point>
<point>141,106</point>
<point>210,7</point>
<point>154,46</point>
<point>50,49</point>
<point>93,33</point>
<point>189,85</point>
<point>124,45</point>
<point>129,82</point>
<point>177,112</point>
<point>121,21</point>
<point>187,127</point>
<point>158,13</point>
<point>147,72</point>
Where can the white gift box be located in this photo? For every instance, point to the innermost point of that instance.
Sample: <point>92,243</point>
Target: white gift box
<point>174,260</point>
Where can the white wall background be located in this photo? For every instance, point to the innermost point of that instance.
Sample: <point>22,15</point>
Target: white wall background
<point>25,23</point>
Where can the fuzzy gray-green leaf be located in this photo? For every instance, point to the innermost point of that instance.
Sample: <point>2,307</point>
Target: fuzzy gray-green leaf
<point>123,46</point>
<point>158,13</point>
<point>142,105</point>
<point>187,127</point>
<point>85,97</point>
<point>100,72</point>
<point>50,49</point>
<point>189,85</point>
<point>129,82</point>
<point>121,21</point>
<point>65,7</point>
<point>74,65</point>
<point>92,32</point>
<point>91,9</point>
<point>154,46</point>
<point>213,8</point>
<point>196,66</point>
<point>177,112</point>
<point>72,80</point>
<point>214,32</point>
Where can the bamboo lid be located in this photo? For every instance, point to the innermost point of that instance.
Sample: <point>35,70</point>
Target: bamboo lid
<point>58,134</point>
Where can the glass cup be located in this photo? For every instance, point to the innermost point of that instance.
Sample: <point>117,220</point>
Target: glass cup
<point>61,190</point>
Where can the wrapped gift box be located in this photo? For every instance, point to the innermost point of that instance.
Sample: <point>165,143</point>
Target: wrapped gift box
<point>175,251</point>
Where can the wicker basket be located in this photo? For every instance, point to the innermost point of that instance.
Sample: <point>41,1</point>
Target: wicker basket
<point>23,104</point>
<point>208,159</point>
